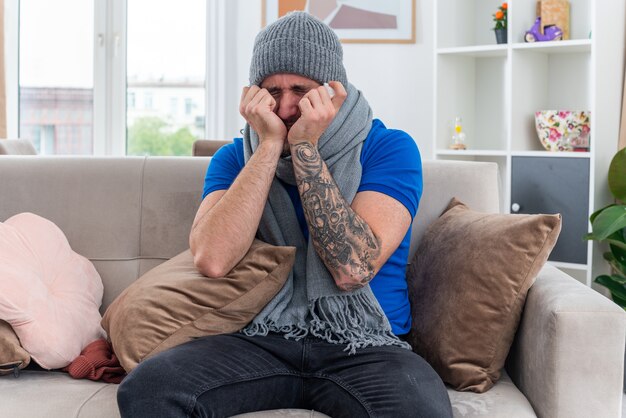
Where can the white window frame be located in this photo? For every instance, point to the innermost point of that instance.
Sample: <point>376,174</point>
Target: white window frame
<point>109,86</point>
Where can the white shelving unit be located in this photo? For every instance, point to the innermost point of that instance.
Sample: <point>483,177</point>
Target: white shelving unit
<point>496,89</point>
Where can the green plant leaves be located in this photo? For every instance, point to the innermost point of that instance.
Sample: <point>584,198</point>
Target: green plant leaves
<point>596,213</point>
<point>617,175</point>
<point>609,221</point>
<point>615,284</point>
<point>619,265</point>
<point>609,224</point>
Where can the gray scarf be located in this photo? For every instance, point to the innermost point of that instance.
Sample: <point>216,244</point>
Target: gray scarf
<point>310,301</point>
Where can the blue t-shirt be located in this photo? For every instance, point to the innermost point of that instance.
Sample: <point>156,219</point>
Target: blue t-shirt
<point>391,165</point>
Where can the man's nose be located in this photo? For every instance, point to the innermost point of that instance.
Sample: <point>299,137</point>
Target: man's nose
<point>287,106</point>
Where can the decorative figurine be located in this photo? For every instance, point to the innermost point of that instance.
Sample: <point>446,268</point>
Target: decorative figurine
<point>550,32</point>
<point>458,137</point>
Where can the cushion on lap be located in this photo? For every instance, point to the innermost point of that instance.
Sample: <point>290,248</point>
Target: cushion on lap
<point>174,303</point>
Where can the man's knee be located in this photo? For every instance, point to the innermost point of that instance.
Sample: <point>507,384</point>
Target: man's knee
<point>151,380</point>
<point>425,394</point>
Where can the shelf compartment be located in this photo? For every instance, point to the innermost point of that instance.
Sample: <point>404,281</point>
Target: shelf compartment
<point>469,22</point>
<point>465,23</point>
<point>546,79</point>
<point>472,88</point>
<point>522,14</point>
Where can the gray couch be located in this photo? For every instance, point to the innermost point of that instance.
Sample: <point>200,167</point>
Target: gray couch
<point>127,215</point>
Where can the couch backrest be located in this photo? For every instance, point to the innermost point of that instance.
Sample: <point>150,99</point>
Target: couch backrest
<point>474,183</point>
<point>129,214</point>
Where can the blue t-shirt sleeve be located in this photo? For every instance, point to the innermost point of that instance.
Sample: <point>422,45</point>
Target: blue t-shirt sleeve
<point>392,165</point>
<point>224,167</point>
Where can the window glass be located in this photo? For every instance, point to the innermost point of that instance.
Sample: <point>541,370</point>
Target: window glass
<point>56,75</point>
<point>166,62</point>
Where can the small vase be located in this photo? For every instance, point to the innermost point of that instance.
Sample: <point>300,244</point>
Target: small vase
<point>501,35</point>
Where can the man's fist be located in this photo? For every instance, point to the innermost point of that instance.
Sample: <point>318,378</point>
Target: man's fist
<point>257,108</point>
<point>317,111</point>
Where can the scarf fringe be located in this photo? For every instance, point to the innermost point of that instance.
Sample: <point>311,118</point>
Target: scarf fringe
<point>351,319</point>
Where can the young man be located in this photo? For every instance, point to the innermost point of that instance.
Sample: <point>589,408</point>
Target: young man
<point>315,172</point>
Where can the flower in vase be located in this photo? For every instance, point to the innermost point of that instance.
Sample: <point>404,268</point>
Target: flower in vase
<point>500,16</point>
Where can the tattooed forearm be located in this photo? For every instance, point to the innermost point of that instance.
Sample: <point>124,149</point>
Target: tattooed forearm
<point>342,239</point>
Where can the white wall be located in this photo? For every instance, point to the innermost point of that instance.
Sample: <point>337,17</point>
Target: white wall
<point>10,71</point>
<point>395,78</point>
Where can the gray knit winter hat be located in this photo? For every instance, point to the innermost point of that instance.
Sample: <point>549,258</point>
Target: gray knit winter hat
<point>298,43</point>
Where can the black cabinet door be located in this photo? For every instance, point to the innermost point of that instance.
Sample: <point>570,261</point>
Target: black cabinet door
<point>555,185</point>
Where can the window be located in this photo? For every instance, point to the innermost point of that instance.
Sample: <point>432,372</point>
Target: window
<point>102,72</point>
<point>188,106</point>
<point>173,106</point>
<point>166,60</point>
<point>56,75</point>
<point>131,100</point>
<point>147,100</point>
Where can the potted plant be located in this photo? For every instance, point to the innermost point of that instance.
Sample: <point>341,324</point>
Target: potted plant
<point>500,28</point>
<point>609,225</point>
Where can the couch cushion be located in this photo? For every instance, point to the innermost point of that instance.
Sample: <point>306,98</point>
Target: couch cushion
<point>174,303</point>
<point>468,283</point>
<point>60,396</point>
<point>503,400</point>
<point>48,293</point>
<point>56,395</point>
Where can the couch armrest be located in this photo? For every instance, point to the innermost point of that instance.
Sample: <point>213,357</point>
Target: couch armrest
<point>568,353</point>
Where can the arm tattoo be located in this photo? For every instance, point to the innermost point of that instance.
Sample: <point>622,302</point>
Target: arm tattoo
<point>342,239</point>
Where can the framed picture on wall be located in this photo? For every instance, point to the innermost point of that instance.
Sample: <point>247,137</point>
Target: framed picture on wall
<point>354,21</point>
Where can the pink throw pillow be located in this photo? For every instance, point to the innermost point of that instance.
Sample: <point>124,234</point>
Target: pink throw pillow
<point>49,294</point>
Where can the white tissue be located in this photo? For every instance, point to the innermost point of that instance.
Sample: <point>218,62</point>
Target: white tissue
<point>331,92</point>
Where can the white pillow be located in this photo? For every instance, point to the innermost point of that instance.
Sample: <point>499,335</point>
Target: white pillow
<point>49,294</point>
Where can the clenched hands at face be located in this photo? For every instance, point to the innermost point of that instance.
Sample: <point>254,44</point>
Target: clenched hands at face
<point>289,109</point>
<point>317,111</point>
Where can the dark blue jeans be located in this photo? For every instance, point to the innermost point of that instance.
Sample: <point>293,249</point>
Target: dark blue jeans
<point>225,375</point>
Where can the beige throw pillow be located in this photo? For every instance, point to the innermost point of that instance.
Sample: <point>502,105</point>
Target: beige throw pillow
<point>11,352</point>
<point>173,303</point>
<point>468,283</point>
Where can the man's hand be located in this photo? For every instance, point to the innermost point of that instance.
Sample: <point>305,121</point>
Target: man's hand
<point>317,111</point>
<point>257,107</point>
